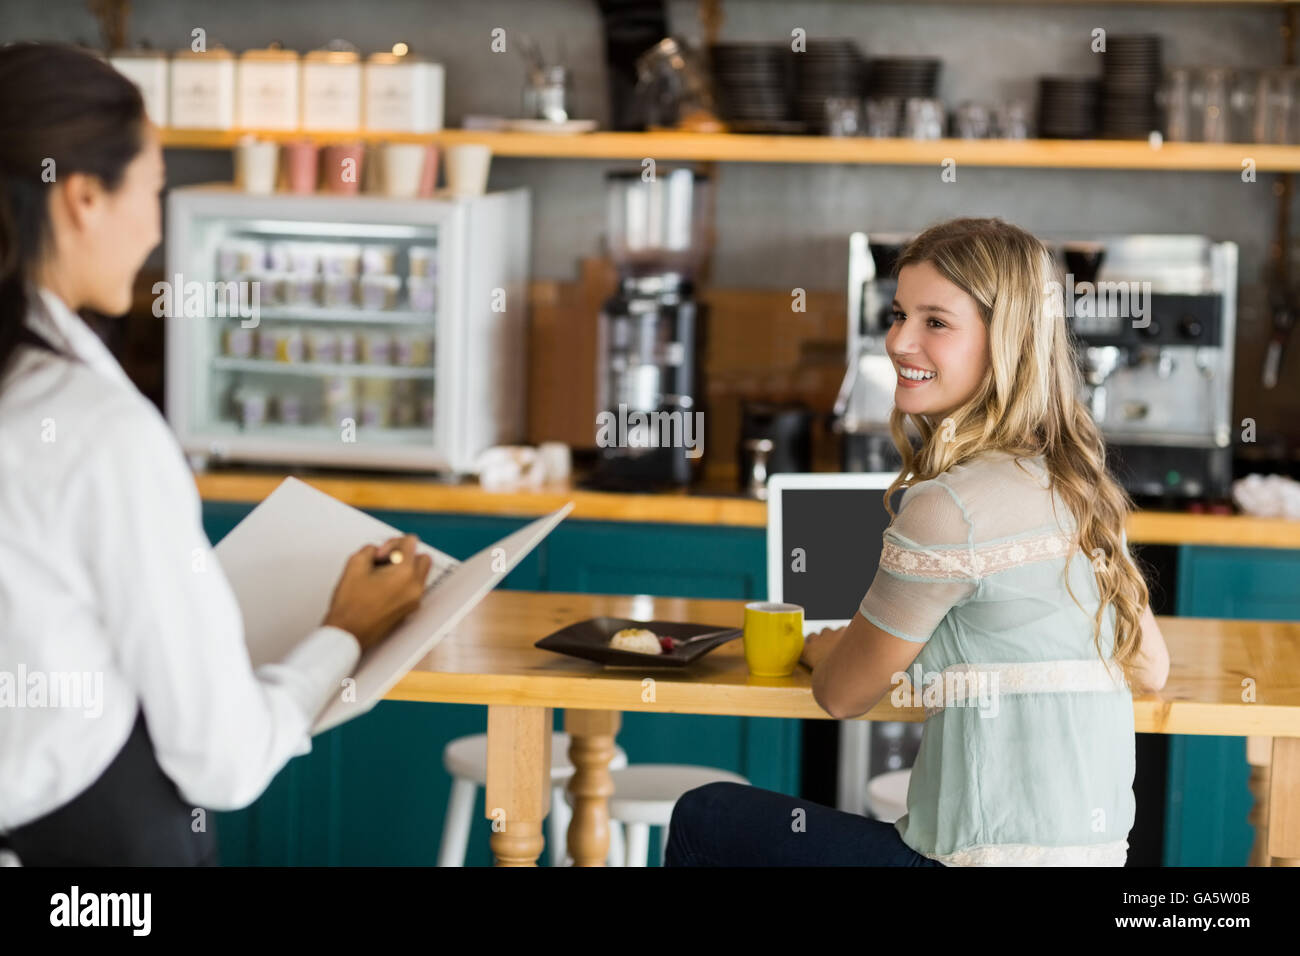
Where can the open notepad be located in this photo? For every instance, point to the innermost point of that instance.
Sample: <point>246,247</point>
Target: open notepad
<point>285,558</point>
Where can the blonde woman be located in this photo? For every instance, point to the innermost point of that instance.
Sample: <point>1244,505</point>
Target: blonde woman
<point>1004,591</point>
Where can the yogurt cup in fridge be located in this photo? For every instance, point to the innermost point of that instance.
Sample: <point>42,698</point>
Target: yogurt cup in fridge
<point>379,291</point>
<point>347,345</point>
<point>340,259</point>
<point>378,260</point>
<point>300,289</point>
<point>238,257</point>
<point>303,257</point>
<point>412,348</point>
<point>238,342</point>
<point>289,409</point>
<point>339,399</point>
<point>376,348</point>
<point>250,407</point>
<point>421,293</point>
<point>278,258</point>
<point>322,346</point>
<point>423,261</point>
<point>338,292</point>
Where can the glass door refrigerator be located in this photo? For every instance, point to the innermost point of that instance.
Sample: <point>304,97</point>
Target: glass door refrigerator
<point>350,331</point>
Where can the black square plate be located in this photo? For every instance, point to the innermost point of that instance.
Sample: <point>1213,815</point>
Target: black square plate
<point>589,640</point>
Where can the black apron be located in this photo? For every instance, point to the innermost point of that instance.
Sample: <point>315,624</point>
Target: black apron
<point>133,815</point>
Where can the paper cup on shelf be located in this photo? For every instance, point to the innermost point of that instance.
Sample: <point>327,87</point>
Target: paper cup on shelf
<point>255,166</point>
<point>341,169</point>
<point>403,169</point>
<point>467,169</point>
<point>429,174</point>
<point>300,161</point>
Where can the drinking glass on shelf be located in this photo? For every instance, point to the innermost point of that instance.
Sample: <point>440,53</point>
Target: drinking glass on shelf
<point>1210,98</point>
<point>923,119</point>
<point>882,116</point>
<point>1175,99</point>
<point>1013,120</point>
<point>1274,107</point>
<point>843,116</point>
<point>972,121</point>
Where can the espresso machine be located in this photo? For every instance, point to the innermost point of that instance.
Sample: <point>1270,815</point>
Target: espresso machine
<point>650,332</point>
<point>1153,320</point>
<point>866,396</point>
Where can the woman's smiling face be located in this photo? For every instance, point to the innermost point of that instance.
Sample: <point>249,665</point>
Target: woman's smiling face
<point>936,329</point>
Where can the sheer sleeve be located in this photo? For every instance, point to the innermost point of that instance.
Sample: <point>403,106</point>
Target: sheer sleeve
<point>927,564</point>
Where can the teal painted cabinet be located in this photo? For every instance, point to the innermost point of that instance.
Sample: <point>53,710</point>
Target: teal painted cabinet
<point>1208,798</point>
<point>374,791</point>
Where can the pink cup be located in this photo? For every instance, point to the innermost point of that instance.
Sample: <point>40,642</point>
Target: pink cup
<point>429,176</point>
<point>341,172</point>
<point>300,162</point>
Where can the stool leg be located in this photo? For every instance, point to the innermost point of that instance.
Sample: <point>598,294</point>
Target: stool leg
<point>557,826</point>
<point>638,843</point>
<point>617,850</point>
<point>455,825</point>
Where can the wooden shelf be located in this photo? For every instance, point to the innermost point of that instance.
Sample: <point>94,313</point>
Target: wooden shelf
<point>738,148</point>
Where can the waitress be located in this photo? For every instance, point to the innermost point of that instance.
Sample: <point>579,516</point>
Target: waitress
<point>108,585</point>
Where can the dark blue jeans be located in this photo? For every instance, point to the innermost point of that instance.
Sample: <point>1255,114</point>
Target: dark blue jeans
<point>730,824</point>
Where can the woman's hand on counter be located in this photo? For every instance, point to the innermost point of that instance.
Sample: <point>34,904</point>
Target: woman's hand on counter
<point>369,601</point>
<point>817,646</point>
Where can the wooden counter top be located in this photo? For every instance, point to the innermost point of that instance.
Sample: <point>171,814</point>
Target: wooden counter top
<point>490,659</point>
<point>395,493</point>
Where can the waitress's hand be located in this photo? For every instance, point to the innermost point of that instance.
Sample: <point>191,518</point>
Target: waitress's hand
<point>370,601</point>
<point>817,646</point>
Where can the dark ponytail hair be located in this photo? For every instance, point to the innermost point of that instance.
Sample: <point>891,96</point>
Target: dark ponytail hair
<point>60,104</point>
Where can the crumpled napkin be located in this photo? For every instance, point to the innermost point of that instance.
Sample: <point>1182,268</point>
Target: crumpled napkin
<point>1268,496</point>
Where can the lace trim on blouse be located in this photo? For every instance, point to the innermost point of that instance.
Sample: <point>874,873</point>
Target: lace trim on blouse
<point>972,563</point>
<point>1023,854</point>
<point>977,682</point>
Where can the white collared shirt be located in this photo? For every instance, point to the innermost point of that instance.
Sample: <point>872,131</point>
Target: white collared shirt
<point>111,598</point>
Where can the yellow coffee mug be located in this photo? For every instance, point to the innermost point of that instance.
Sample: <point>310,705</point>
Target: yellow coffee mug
<point>773,638</point>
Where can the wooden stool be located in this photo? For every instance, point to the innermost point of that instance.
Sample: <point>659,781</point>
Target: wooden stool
<point>465,758</point>
<point>887,795</point>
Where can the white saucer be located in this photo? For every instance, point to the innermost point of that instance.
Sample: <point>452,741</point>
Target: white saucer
<point>568,127</point>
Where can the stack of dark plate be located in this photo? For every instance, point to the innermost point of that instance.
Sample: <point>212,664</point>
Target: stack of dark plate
<point>1130,77</point>
<point>828,68</point>
<point>1068,107</point>
<point>905,77</point>
<point>753,83</point>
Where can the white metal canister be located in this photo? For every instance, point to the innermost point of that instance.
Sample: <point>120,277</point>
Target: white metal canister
<point>267,89</point>
<point>403,93</point>
<point>203,90</point>
<point>331,90</point>
<point>147,69</point>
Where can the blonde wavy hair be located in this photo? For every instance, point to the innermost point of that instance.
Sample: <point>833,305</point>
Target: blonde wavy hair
<point>1027,405</point>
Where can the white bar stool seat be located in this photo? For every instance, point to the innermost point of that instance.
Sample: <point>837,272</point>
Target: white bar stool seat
<point>644,797</point>
<point>465,758</point>
<point>887,795</point>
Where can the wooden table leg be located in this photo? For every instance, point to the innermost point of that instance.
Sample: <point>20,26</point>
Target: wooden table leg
<point>591,747</point>
<point>518,782</point>
<point>1259,756</point>
<point>1284,802</point>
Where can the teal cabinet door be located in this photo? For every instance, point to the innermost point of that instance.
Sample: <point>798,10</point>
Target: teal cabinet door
<point>1208,796</point>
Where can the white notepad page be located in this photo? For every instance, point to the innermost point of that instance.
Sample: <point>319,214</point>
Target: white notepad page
<point>284,559</point>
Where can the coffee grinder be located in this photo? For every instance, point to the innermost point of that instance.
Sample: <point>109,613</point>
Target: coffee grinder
<point>649,430</point>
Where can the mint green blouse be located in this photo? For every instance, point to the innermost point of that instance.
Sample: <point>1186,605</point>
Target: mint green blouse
<point>1027,754</point>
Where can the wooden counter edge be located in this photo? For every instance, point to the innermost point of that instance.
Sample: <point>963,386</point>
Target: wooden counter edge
<point>1151,714</point>
<point>1144,527</point>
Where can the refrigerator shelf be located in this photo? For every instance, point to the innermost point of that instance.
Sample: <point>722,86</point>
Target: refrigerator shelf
<point>319,433</point>
<point>303,313</point>
<point>319,369</point>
